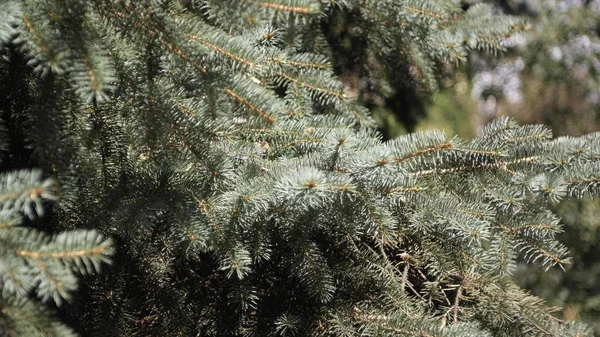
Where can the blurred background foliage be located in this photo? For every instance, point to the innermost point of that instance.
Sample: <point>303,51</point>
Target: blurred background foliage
<point>549,75</point>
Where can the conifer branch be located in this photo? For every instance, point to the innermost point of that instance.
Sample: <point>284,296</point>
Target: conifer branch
<point>298,63</point>
<point>456,307</point>
<point>37,255</point>
<point>229,162</point>
<point>423,12</point>
<point>45,48</point>
<point>251,106</point>
<point>502,165</point>
<point>222,50</point>
<point>376,320</point>
<point>283,6</point>
<point>300,82</point>
<point>435,148</point>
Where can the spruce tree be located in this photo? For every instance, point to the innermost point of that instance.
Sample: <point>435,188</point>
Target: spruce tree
<point>247,195</point>
<point>33,262</point>
<point>562,53</point>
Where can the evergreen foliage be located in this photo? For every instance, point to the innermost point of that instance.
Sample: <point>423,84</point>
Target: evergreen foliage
<point>576,291</point>
<point>549,75</point>
<point>33,262</point>
<point>552,76</point>
<point>247,195</point>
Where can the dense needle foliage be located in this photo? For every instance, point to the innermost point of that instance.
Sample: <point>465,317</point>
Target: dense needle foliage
<point>551,76</point>
<point>247,195</point>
